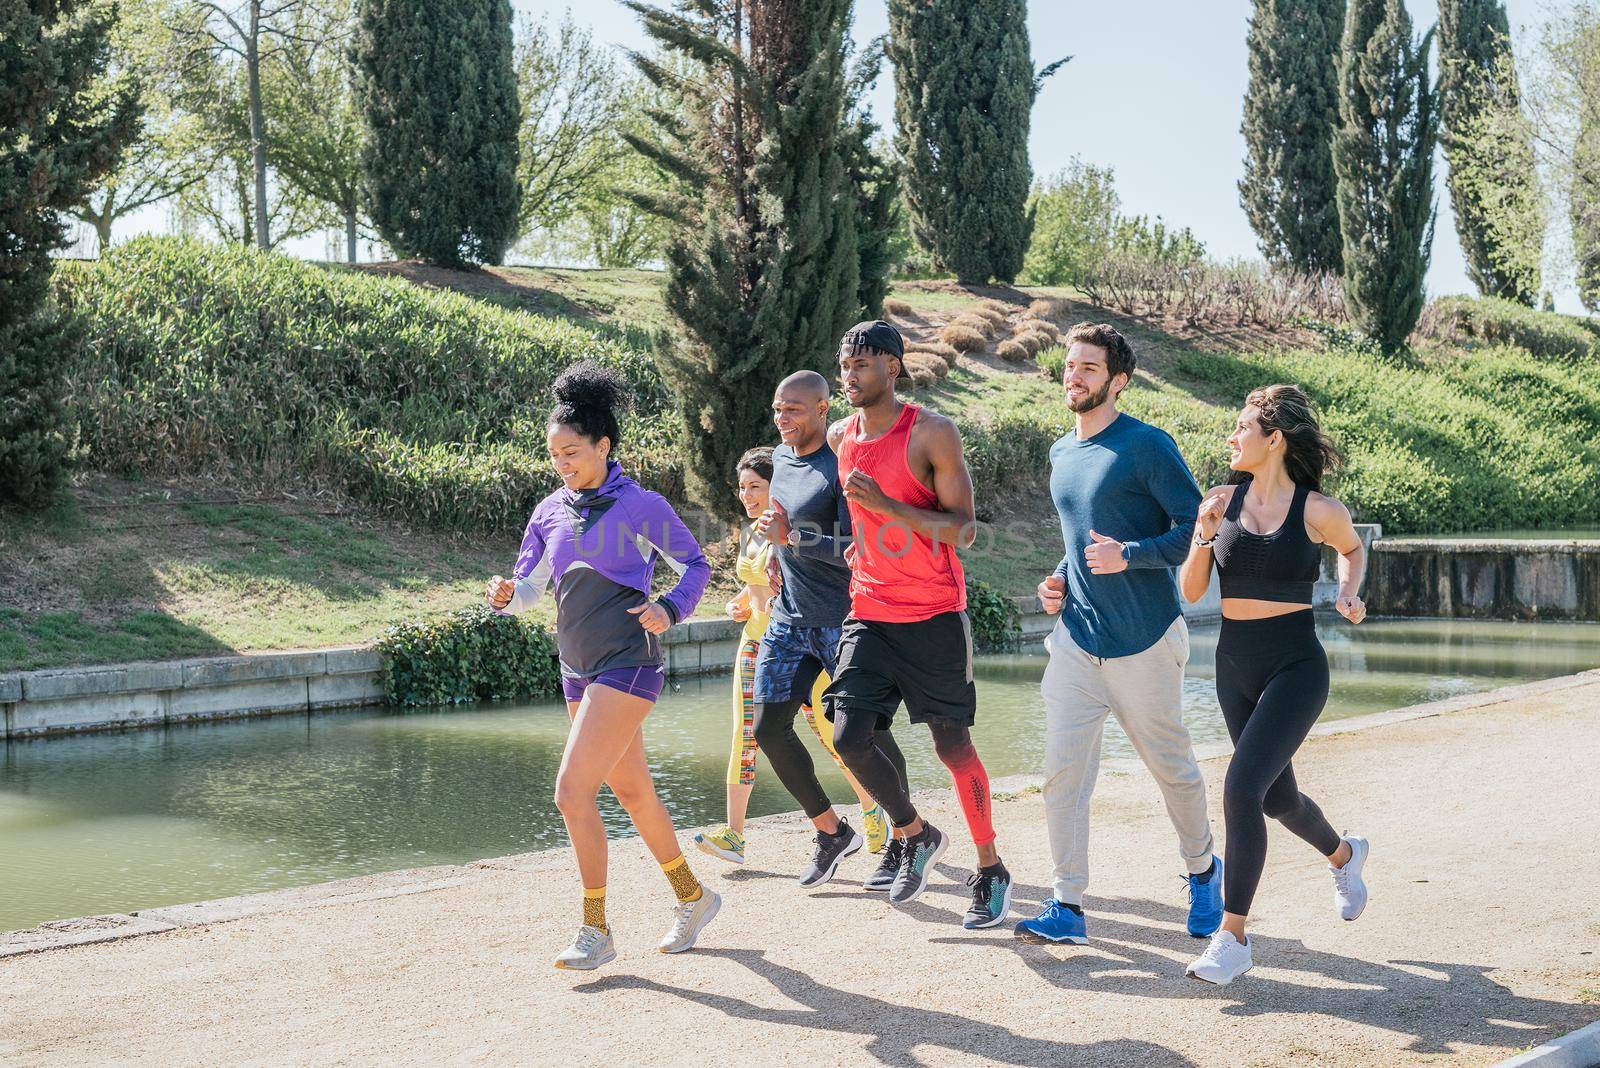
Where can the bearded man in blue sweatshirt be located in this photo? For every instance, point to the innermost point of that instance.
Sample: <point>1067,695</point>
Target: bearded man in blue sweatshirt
<point>1127,504</point>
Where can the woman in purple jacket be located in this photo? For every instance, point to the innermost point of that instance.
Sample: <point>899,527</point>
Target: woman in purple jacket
<point>598,539</point>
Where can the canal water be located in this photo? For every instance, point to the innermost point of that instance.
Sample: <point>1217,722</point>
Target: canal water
<point>116,822</point>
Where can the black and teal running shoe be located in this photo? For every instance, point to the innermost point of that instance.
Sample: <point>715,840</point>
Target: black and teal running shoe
<point>882,877</point>
<point>991,898</point>
<point>922,852</point>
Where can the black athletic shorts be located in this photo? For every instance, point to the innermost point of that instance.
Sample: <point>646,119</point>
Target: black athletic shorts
<point>927,664</point>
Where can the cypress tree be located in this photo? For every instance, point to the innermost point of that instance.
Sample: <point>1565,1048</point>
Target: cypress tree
<point>1492,177</point>
<point>62,126</point>
<point>763,266</point>
<point>964,92</point>
<point>1383,158</point>
<point>1584,202</point>
<point>439,94</point>
<point>1290,111</point>
<point>875,179</point>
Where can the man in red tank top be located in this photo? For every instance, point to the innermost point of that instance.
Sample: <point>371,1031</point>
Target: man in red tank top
<point>908,637</point>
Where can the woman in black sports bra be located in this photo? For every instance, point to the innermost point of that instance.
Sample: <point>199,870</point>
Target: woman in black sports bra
<point>1265,533</point>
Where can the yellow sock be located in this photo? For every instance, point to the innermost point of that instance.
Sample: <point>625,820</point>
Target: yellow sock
<point>594,907</point>
<point>684,884</point>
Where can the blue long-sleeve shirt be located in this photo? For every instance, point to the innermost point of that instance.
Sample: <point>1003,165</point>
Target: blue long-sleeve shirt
<point>1128,483</point>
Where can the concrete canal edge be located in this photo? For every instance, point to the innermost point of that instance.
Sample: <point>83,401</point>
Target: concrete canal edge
<point>1485,578</point>
<point>86,930</point>
<point>164,693</point>
<point>1579,1049</point>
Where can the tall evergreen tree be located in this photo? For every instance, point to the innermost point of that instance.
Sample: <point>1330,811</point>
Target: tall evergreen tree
<point>439,93</point>
<point>763,268</point>
<point>1290,111</point>
<point>1584,203</point>
<point>1383,158</point>
<point>62,126</point>
<point>1493,180</point>
<point>875,178</point>
<point>964,92</point>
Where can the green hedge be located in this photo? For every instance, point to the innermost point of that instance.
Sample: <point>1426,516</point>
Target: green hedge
<point>1493,321</point>
<point>212,359</point>
<point>996,620</point>
<point>1493,440</point>
<point>471,655</point>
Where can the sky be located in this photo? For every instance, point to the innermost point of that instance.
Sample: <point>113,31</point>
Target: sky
<point>1154,91</point>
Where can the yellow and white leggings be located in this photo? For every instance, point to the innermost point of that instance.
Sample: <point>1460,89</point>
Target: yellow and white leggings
<point>742,764</point>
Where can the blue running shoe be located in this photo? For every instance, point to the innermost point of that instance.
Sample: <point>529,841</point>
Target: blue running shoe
<point>1057,923</point>
<point>1205,902</point>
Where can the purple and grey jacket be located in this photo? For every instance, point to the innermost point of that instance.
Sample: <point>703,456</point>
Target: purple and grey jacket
<point>600,547</point>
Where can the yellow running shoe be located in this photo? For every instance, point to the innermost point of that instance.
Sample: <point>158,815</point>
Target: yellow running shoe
<point>724,842</point>
<point>877,828</point>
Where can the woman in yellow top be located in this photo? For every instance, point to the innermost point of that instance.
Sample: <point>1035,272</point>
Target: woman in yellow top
<point>750,606</point>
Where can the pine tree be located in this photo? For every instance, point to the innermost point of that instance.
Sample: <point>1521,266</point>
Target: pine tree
<point>1383,158</point>
<point>763,268</point>
<point>1584,191</point>
<point>1290,111</point>
<point>439,94</point>
<point>62,126</point>
<point>964,92</point>
<point>875,178</point>
<point>1493,179</point>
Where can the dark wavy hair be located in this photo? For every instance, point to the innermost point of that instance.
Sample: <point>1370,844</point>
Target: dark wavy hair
<point>588,398</point>
<point>1120,359</point>
<point>758,459</point>
<point>1309,454</point>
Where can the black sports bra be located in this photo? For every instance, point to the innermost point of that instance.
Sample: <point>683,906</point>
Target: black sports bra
<point>1281,566</point>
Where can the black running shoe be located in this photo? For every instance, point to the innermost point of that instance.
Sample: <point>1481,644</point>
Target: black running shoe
<point>883,877</point>
<point>829,850</point>
<point>991,898</point>
<point>917,864</point>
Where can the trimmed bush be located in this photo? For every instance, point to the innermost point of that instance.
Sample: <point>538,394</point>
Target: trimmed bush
<point>206,359</point>
<point>963,338</point>
<point>937,348</point>
<point>1495,321</point>
<point>1040,326</point>
<point>934,365</point>
<point>1012,351</point>
<point>999,307</point>
<point>995,319</point>
<point>471,655</point>
<point>996,620</point>
<point>1049,307</point>
<point>1030,341</point>
<point>896,306</point>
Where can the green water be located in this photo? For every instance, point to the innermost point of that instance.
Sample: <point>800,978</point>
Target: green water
<point>115,822</point>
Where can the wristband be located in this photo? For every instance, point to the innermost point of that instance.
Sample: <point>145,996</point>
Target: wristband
<point>1204,543</point>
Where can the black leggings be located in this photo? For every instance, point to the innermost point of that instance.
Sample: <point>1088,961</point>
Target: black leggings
<point>1272,681</point>
<point>773,725</point>
<point>859,739</point>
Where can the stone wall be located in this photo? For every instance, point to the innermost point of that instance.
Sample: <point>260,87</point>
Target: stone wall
<point>1486,579</point>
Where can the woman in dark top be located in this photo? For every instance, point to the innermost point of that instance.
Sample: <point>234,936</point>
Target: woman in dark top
<point>1265,533</point>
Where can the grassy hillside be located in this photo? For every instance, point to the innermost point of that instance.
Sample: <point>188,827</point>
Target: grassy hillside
<point>282,454</point>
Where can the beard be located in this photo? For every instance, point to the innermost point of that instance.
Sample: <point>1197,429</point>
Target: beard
<point>1092,401</point>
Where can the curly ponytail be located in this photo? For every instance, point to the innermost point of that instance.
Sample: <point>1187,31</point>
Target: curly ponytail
<point>588,398</point>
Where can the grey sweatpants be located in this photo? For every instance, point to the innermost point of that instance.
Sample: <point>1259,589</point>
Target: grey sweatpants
<point>1145,692</point>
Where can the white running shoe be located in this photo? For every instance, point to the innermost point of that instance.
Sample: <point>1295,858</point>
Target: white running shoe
<point>689,919</point>
<point>1223,961</point>
<point>1349,889</point>
<point>592,948</point>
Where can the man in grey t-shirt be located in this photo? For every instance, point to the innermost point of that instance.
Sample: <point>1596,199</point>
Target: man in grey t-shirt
<point>808,525</point>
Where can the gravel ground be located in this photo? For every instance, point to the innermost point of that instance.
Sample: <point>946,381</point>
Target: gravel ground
<point>1482,938</point>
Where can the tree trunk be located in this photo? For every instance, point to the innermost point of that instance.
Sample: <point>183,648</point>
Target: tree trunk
<point>350,236</point>
<point>102,230</point>
<point>258,125</point>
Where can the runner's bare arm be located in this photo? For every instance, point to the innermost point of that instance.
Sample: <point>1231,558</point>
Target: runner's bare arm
<point>953,521</point>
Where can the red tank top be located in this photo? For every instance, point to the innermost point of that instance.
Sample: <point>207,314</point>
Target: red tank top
<point>897,575</point>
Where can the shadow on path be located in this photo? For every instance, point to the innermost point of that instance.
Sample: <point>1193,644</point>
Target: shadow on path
<point>894,1031</point>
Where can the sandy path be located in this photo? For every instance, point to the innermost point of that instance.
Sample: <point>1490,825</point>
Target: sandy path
<point>1482,938</point>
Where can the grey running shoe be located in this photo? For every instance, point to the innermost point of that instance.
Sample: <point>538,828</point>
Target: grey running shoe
<point>830,850</point>
<point>689,919</point>
<point>917,864</point>
<point>882,877</point>
<point>590,949</point>
<point>991,899</point>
